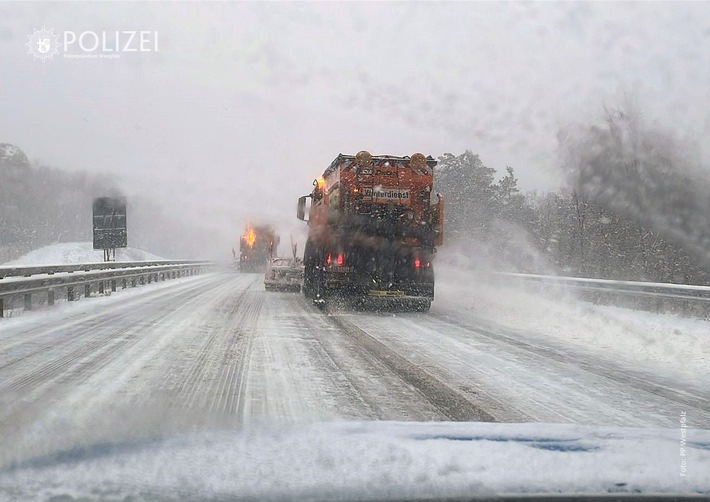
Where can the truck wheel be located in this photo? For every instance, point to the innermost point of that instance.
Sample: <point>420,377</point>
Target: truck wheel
<point>319,294</point>
<point>308,270</point>
<point>306,283</point>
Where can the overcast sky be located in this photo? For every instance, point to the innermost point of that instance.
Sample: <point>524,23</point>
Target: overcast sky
<point>244,104</point>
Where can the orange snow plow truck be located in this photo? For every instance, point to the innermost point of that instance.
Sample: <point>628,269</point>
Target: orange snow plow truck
<point>373,231</point>
<point>256,246</point>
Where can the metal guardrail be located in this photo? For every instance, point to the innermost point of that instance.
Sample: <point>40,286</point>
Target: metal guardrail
<point>28,283</point>
<point>686,291</point>
<point>646,295</point>
<point>29,271</point>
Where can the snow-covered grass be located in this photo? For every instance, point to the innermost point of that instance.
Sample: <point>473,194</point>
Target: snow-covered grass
<point>76,252</point>
<point>664,344</point>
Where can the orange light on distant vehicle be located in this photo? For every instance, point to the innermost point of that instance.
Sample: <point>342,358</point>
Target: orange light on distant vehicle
<point>250,237</point>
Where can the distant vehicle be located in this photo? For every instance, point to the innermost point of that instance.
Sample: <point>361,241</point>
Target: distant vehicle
<point>256,246</point>
<point>284,274</point>
<point>373,231</point>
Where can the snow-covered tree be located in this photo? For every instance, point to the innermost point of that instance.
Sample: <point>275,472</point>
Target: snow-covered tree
<point>645,174</point>
<point>468,187</point>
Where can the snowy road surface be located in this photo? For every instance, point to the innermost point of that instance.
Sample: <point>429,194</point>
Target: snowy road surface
<point>217,351</point>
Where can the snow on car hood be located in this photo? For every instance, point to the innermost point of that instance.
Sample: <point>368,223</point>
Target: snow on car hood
<point>376,460</point>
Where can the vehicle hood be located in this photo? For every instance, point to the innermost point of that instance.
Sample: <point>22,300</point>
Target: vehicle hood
<point>375,461</point>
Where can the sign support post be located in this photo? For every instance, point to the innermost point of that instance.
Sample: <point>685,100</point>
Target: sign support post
<point>110,230</point>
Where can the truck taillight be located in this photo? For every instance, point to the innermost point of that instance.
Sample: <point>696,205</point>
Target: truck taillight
<point>417,263</point>
<point>337,260</point>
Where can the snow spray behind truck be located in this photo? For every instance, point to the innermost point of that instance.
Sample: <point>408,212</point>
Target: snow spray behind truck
<point>256,247</point>
<point>373,231</point>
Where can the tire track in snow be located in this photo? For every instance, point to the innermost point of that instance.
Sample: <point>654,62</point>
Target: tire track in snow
<point>354,397</point>
<point>212,381</point>
<point>230,391</point>
<point>78,352</point>
<point>24,345</point>
<point>48,322</point>
<point>452,403</point>
<point>513,384</point>
<point>109,400</point>
<point>87,351</point>
<point>595,367</point>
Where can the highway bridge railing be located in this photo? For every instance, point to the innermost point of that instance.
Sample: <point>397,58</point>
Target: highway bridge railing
<point>26,288</point>
<point>686,299</point>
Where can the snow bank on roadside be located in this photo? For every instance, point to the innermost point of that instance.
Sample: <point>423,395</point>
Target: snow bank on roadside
<point>664,344</point>
<point>68,253</point>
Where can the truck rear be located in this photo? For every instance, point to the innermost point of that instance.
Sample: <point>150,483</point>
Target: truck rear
<point>373,231</point>
<point>256,246</point>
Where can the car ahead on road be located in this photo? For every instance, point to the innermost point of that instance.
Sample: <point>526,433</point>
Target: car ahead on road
<point>284,274</point>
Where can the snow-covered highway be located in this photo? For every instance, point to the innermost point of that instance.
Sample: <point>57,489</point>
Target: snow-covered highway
<point>217,351</point>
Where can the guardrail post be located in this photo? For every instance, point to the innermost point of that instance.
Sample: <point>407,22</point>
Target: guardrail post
<point>101,287</point>
<point>113,285</point>
<point>87,290</point>
<point>70,293</point>
<point>2,308</point>
<point>28,301</point>
<point>50,297</point>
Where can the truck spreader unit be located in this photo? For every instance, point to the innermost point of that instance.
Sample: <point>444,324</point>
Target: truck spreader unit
<point>373,231</point>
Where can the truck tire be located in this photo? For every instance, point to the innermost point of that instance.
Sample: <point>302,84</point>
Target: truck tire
<point>308,271</point>
<point>319,294</point>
